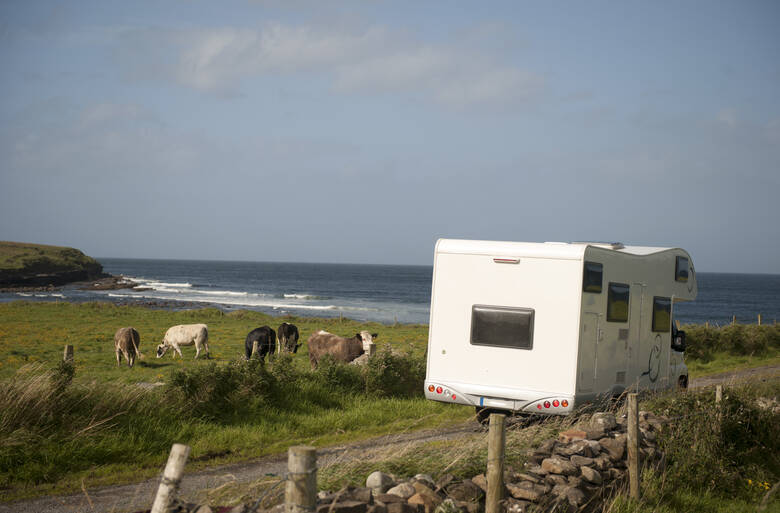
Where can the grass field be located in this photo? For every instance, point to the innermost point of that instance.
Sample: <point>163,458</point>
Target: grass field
<point>16,256</point>
<point>61,425</point>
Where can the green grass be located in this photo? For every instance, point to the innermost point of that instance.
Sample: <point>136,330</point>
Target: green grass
<point>725,362</point>
<point>103,429</point>
<point>18,256</point>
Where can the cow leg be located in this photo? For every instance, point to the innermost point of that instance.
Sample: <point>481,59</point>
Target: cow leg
<point>176,348</point>
<point>130,359</point>
<point>197,350</point>
<point>118,357</point>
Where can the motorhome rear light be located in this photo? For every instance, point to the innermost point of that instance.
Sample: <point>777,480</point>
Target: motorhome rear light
<point>453,397</point>
<point>506,260</point>
<point>431,388</point>
<point>539,406</point>
<point>556,403</point>
<point>438,390</point>
<point>564,403</point>
<point>547,404</point>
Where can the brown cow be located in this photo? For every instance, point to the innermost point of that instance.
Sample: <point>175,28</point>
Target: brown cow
<point>340,348</point>
<point>126,342</point>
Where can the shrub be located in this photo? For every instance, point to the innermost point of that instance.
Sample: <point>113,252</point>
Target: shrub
<point>394,375</point>
<point>738,340</point>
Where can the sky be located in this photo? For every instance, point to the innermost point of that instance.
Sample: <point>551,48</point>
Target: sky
<point>363,131</point>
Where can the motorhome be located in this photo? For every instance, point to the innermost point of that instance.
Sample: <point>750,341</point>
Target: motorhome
<point>545,327</point>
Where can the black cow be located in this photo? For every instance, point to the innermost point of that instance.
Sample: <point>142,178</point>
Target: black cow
<point>266,342</point>
<point>288,338</point>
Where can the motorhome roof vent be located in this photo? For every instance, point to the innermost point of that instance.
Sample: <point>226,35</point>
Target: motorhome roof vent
<point>601,244</point>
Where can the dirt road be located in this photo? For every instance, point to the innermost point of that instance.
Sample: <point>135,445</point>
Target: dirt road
<point>139,496</point>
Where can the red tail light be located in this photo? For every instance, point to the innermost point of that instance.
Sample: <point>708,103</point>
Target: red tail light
<point>564,403</point>
<point>438,390</point>
<point>547,404</point>
<point>431,388</point>
<point>556,403</point>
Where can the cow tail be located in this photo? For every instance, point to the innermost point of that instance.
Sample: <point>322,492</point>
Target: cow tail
<point>137,351</point>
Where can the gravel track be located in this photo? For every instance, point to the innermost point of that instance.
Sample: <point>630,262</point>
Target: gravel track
<point>139,496</point>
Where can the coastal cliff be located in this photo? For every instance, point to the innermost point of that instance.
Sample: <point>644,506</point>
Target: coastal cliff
<point>36,265</point>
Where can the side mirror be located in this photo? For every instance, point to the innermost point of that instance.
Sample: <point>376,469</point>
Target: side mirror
<point>678,341</point>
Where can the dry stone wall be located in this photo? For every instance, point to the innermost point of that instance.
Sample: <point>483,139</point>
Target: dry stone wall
<point>577,471</point>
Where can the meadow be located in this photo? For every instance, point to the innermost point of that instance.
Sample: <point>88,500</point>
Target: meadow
<point>99,423</point>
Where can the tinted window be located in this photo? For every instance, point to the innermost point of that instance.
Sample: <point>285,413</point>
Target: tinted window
<point>662,314</point>
<point>502,326</point>
<point>617,302</point>
<point>591,277</point>
<point>681,269</point>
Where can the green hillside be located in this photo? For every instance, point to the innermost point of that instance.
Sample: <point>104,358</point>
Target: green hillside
<point>25,264</point>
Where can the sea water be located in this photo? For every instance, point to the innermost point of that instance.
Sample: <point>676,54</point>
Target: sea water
<point>383,293</point>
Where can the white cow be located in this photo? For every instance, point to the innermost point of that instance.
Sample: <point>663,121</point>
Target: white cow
<point>185,335</point>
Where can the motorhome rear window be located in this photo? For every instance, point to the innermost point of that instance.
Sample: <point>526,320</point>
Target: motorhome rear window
<point>502,326</point>
<point>617,302</point>
<point>591,277</point>
<point>662,314</point>
<point>681,269</point>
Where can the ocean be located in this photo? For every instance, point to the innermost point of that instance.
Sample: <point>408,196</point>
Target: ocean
<point>382,293</point>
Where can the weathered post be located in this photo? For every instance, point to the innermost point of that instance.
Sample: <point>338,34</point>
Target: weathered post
<point>300,494</point>
<point>255,347</point>
<point>718,394</point>
<point>495,463</point>
<point>371,349</point>
<point>67,355</point>
<point>759,319</point>
<point>633,445</point>
<point>733,319</point>
<point>169,483</point>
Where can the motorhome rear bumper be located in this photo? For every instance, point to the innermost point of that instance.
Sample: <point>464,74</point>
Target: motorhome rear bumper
<point>526,401</point>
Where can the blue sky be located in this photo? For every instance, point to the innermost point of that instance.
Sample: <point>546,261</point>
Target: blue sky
<point>363,131</point>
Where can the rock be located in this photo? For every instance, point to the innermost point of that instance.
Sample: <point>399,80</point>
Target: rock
<point>546,447</point>
<point>591,475</point>
<point>377,508</point>
<point>379,482</point>
<point>445,480</point>
<point>322,494</point>
<point>572,435</point>
<point>595,432</point>
<point>578,460</point>
<point>389,498</point>
<point>343,507</point>
<point>559,466</point>
<point>358,494</point>
<point>614,448</point>
<point>574,481</point>
<point>422,488</point>
<point>526,477</point>
<point>526,491</point>
<point>554,479</point>
<point>581,447</point>
<point>480,481</point>
<point>470,507</point>
<point>536,457</point>
<point>429,501</point>
<point>605,420</point>
<point>403,507</point>
<point>241,508</point>
<point>575,496</point>
<point>203,508</point>
<point>465,491</point>
<point>403,490</point>
<point>615,473</point>
<point>535,469</point>
<point>602,462</point>
<point>426,479</point>
<point>559,490</point>
<point>448,506</point>
<point>512,505</point>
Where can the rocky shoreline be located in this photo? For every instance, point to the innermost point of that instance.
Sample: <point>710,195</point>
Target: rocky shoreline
<point>103,282</point>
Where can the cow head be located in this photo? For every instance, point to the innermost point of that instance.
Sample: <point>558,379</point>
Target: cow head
<point>161,350</point>
<point>367,338</point>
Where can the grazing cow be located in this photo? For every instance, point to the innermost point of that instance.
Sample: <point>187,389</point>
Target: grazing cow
<point>126,342</point>
<point>340,348</point>
<point>288,338</point>
<point>185,335</point>
<point>266,342</point>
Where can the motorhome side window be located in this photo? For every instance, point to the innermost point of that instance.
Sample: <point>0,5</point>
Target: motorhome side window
<point>591,277</point>
<point>662,314</point>
<point>502,326</point>
<point>681,269</point>
<point>617,302</point>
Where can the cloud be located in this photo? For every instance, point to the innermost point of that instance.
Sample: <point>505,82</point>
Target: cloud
<point>370,60</point>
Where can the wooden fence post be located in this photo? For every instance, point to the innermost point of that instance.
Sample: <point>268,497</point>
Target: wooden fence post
<point>718,394</point>
<point>633,445</point>
<point>759,319</point>
<point>371,349</point>
<point>734,319</point>
<point>67,355</point>
<point>300,494</point>
<point>169,483</point>
<point>495,463</point>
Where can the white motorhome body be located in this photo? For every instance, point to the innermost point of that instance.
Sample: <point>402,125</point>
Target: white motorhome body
<point>543,327</point>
